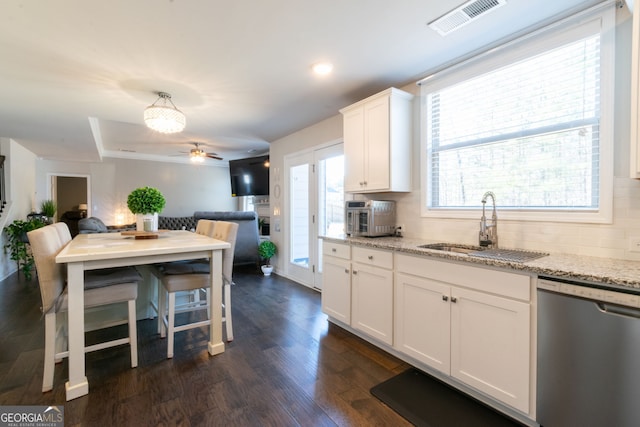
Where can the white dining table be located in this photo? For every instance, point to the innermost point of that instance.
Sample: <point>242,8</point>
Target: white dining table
<point>103,250</point>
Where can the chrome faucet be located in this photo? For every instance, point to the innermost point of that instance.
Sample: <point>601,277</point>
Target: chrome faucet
<point>489,233</point>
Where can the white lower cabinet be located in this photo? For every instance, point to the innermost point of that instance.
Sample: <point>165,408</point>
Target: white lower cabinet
<point>336,281</point>
<point>372,293</point>
<point>372,302</point>
<point>471,323</point>
<point>423,320</point>
<point>490,345</point>
<point>445,320</point>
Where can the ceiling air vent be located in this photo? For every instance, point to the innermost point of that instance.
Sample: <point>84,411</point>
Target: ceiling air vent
<point>464,14</point>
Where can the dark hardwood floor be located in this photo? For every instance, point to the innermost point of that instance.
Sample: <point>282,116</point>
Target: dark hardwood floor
<point>286,367</point>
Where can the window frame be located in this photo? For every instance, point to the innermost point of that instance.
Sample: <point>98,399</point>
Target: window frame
<point>524,47</point>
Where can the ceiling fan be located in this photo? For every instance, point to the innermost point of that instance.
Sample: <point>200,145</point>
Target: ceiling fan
<point>198,155</point>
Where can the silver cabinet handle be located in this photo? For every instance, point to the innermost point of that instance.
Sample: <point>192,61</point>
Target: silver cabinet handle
<point>346,270</point>
<point>454,299</point>
<point>370,257</point>
<point>333,250</point>
<point>355,272</point>
<point>445,298</point>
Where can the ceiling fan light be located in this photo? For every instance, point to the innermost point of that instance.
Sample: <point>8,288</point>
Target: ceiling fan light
<point>164,118</point>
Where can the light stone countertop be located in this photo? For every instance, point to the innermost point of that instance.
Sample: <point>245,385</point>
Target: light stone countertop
<point>617,273</point>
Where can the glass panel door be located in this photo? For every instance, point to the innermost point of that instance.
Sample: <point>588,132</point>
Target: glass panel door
<point>315,207</point>
<point>330,184</point>
<point>299,239</point>
<point>300,196</point>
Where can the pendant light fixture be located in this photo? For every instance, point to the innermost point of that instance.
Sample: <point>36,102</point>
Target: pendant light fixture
<point>163,116</point>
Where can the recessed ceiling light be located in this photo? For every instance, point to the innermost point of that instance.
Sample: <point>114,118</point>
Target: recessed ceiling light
<point>322,68</point>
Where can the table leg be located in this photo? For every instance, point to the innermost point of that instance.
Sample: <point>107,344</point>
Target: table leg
<point>216,346</point>
<point>77,385</point>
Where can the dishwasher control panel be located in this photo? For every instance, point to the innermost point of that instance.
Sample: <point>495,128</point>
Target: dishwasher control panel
<point>596,294</point>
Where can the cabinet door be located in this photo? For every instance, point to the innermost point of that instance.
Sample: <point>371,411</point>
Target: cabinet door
<point>336,289</point>
<point>377,145</point>
<point>422,326</point>
<point>490,347</point>
<point>353,127</point>
<point>372,302</point>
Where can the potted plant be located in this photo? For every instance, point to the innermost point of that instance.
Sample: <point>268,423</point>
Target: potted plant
<point>267,249</point>
<point>48,209</point>
<point>146,203</point>
<point>17,243</point>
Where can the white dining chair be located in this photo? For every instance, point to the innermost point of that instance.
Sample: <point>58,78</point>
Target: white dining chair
<point>194,276</point>
<point>102,287</point>
<point>194,302</point>
<point>63,232</point>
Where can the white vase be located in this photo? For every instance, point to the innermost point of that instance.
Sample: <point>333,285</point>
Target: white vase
<point>266,269</point>
<point>147,222</point>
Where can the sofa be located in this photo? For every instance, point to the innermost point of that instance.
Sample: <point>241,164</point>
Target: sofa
<point>177,223</point>
<point>95,225</point>
<point>246,250</point>
<point>248,239</point>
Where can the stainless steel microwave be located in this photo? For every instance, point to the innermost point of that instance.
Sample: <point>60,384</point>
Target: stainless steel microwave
<point>370,218</point>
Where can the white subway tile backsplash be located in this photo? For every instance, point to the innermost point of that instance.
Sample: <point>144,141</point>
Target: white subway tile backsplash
<point>600,240</point>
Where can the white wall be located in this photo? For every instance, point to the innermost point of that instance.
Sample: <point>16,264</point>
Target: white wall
<point>186,187</point>
<point>601,240</point>
<point>20,167</point>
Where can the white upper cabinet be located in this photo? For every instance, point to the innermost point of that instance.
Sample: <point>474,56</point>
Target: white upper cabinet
<point>377,143</point>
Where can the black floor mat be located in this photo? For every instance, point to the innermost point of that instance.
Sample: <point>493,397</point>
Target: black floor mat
<point>426,401</point>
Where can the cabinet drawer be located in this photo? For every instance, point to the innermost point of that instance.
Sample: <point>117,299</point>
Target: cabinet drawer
<point>338,250</point>
<point>374,257</point>
<point>511,285</point>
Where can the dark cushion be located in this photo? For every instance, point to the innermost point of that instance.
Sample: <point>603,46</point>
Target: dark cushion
<point>177,223</point>
<point>246,250</point>
<point>194,267</point>
<point>91,225</point>
<point>110,276</point>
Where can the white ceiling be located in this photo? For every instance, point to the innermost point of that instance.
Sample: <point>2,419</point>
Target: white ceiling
<point>76,75</point>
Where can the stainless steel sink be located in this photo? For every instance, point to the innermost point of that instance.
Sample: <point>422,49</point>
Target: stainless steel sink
<point>453,247</point>
<point>511,255</point>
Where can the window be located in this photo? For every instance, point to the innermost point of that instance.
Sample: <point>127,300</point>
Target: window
<point>532,123</point>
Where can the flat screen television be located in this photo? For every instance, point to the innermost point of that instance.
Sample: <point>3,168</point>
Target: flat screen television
<point>249,177</point>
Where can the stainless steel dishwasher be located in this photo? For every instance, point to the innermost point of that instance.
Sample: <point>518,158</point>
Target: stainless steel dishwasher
<point>588,355</point>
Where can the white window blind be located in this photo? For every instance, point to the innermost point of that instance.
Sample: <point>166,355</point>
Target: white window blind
<point>530,131</point>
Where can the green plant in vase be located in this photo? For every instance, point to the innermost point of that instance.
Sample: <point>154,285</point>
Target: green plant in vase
<point>146,203</point>
<point>17,243</point>
<point>266,250</point>
<point>48,208</point>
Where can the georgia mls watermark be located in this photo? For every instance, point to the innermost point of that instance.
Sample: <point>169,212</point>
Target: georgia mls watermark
<point>31,416</point>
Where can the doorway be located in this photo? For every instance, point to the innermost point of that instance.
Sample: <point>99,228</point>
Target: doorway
<point>72,196</point>
<point>315,206</point>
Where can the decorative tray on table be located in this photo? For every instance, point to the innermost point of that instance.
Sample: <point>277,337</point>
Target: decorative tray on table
<point>143,234</point>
